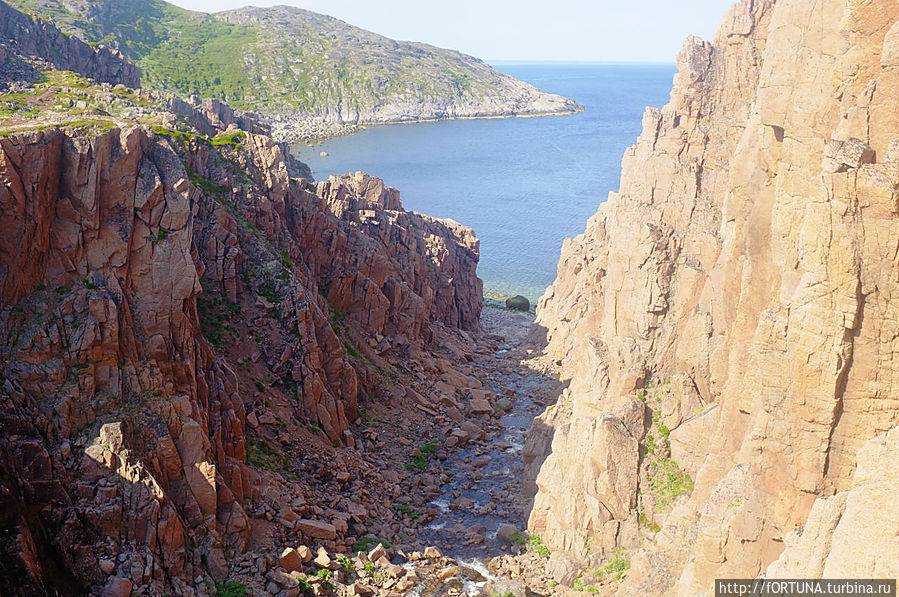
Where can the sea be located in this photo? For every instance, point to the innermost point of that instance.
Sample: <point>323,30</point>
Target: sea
<point>522,184</point>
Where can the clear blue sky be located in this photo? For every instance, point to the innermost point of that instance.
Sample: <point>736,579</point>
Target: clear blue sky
<point>601,30</point>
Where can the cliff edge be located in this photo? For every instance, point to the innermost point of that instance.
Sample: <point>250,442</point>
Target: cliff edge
<point>726,318</point>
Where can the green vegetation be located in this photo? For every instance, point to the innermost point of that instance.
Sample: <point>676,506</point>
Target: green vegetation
<point>536,544</point>
<point>429,448</point>
<point>88,127</point>
<point>269,291</point>
<point>617,567</point>
<point>367,543</point>
<point>215,315</point>
<point>667,481</point>
<point>288,61</point>
<point>418,462</point>
<point>408,510</point>
<point>346,564</point>
<point>261,455</point>
<point>230,588</point>
<point>350,350</point>
<point>230,140</point>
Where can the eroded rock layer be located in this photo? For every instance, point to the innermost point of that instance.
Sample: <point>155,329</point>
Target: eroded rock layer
<point>727,318</point>
<point>159,291</point>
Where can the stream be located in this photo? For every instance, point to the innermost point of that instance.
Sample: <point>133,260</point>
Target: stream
<point>484,492</point>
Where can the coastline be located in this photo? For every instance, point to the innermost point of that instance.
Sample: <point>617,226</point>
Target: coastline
<point>312,131</point>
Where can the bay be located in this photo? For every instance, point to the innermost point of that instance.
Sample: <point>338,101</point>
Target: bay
<point>523,184</point>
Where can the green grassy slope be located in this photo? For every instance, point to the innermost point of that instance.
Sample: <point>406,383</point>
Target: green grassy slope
<point>282,60</point>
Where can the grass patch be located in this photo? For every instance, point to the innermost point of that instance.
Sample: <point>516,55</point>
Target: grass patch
<point>418,462</point>
<point>269,291</point>
<point>408,510</point>
<point>230,140</point>
<point>215,316</point>
<point>261,455</point>
<point>231,588</point>
<point>367,543</point>
<point>350,350</point>
<point>428,448</point>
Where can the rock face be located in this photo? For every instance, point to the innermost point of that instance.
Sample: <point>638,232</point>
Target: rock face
<point>727,307</point>
<point>22,34</point>
<point>155,289</point>
<point>853,531</point>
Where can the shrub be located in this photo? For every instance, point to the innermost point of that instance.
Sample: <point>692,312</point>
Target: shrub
<point>536,544</point>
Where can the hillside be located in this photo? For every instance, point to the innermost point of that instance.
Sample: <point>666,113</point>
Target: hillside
<point>291,62</point>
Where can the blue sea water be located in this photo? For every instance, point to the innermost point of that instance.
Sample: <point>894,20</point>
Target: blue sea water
<point>523,184</point>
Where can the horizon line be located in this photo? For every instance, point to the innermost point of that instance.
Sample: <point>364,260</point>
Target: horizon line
<point>541,61</point>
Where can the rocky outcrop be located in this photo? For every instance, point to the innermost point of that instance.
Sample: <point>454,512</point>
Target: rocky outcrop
<point>32,37</point>
<point>160,296</point>
<point>726,308</point>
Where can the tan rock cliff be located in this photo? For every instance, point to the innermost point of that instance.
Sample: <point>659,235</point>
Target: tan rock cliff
<point>728,313</point>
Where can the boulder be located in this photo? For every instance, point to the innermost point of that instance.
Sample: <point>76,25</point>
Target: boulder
<point>317,529</point>
<point>480,407</point>
<point>506,586</point>
<point>506,532</point>
<point>291,560</point>
<point>518,302</point>
<point>117,587</point>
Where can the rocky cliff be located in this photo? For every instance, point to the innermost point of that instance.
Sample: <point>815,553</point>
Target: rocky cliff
<point>178,311</point>
<point>725,320</point>
<point>21,34</point>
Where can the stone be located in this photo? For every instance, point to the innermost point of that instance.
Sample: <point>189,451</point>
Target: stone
<point>291,560</point>
<point>378,552</point>
<point>507,532</point>
<point>358,589</point>
<point>506,586</point>
<point>305,554</point>
<point>518,302</point>
<point>107,566</point>
<point>473,430</point>
<point>317,529</point>
<point>827,544</point>
<point>562,568</point>
<point>446,572</point>
<point>323,560</point>
<point>117,587</point>
<point>433,553</point>
<point>480,407</point>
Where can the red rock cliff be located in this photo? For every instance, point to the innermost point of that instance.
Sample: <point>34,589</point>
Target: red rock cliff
<point>155,293</point>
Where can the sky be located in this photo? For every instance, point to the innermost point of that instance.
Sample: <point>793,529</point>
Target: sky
<point>497,30</point>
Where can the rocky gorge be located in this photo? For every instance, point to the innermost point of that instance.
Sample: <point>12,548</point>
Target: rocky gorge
<point>219,376</point>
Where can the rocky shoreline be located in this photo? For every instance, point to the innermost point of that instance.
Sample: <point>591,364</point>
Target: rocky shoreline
<point>313,130</point>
